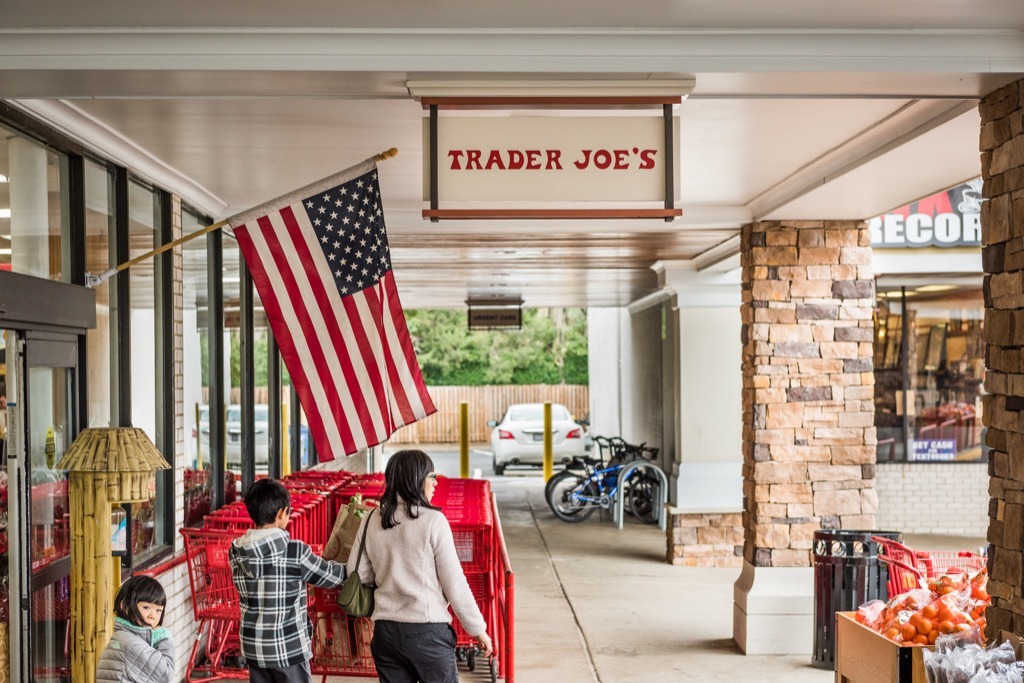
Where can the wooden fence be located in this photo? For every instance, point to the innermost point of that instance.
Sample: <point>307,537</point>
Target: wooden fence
<point>485,403</point>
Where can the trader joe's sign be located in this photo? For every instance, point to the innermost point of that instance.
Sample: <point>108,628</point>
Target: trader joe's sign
<point>947,219</point>
<point>526,161</point>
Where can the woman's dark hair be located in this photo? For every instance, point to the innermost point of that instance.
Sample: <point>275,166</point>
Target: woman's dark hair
<point>404,480</point>
<point>264,499</point>
<point>135,590</point>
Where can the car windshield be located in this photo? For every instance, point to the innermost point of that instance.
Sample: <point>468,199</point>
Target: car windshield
<point>235,413</point>
<point>536,414</point>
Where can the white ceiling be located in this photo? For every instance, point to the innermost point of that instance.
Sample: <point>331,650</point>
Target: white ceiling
<point>802,109</point>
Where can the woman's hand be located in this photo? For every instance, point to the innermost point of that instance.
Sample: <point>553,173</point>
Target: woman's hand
<point>486,649</point>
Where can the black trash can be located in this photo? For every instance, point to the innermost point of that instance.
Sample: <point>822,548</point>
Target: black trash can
<point>847,573</point>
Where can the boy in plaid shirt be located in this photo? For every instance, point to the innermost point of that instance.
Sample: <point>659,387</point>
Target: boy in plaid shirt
<point>271,571</point>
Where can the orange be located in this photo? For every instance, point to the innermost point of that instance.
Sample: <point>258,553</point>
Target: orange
<point>920,640</point>
<point>932,636</point>
<point>946,626</point>
<point>924,626</point>
<point>908,632</point>
<point>930,612</point>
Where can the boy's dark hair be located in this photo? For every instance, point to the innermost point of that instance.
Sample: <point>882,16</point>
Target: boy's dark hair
<point>135,590</point>
<point>264,499</point>
<point>404,479</point>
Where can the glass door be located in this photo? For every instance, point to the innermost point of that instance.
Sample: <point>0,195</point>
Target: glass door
<point>45,375</point>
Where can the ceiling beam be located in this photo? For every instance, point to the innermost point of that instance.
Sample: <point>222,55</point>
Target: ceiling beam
<point>612,51</point>
<point>910,121</point>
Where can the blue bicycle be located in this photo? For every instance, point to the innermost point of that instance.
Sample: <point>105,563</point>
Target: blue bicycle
<point>587,484</point>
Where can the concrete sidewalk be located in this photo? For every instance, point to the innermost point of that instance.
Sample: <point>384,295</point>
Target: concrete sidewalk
<point>595,604</point>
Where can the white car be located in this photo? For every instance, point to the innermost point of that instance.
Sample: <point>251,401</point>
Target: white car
<point>233,434</point>
<point>518,439</point>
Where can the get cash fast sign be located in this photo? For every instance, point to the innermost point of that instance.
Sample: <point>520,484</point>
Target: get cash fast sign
<point>523,160</point>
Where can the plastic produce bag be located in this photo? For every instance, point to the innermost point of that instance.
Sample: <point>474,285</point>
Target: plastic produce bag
<point>960,658</point>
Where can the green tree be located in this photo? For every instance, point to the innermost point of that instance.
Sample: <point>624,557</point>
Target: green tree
<point>551,348</point>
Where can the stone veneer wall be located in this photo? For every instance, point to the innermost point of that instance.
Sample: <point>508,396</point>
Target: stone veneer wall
<point>705,539</point>
<point>1002,233</point>
<point>808,410</point>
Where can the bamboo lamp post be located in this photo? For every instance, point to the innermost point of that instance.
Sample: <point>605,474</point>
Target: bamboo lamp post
<point>107,466</point>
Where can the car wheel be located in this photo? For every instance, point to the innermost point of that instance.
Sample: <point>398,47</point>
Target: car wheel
<point>499,470</point>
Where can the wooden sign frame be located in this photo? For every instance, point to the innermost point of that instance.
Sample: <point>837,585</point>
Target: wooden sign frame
<point>435,213</point>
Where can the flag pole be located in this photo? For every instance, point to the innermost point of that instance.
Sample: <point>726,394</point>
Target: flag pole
<point>96,280</point>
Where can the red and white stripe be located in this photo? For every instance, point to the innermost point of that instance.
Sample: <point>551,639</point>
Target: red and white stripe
<point>350,357</point>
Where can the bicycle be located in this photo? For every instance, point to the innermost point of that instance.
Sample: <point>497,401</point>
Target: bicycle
<point>574,496</point>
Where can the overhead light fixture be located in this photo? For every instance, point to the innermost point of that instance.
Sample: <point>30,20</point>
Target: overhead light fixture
<point>935,288</point>
<point>5,213</point>
<point>4,179</point>
<point>5,252</point>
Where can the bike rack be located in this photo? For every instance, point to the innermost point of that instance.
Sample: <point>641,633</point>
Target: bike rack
<point>619,511</point>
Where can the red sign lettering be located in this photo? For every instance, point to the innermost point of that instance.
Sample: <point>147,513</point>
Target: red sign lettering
<point>550,159</point>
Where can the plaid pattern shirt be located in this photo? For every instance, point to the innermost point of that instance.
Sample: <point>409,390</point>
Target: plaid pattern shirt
<point>270,572</point>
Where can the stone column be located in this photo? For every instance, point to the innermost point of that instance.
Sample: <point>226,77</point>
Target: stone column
<point>808,416</point>
<point>1002,234</point>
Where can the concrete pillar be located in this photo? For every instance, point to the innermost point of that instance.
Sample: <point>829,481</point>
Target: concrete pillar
<point>808,416</point>
<point>641,379</point>
<point>603,335</point>
<point>1002,234</point>
<point>625,354</point>
<point>709,468</point>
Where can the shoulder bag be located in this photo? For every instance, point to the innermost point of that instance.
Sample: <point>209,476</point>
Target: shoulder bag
<point>355,597</point>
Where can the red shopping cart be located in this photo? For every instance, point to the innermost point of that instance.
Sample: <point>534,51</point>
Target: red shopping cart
<point>908,568</point>
<point>215,605</point>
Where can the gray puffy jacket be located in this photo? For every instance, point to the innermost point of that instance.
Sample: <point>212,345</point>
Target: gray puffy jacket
<point>137,654</point>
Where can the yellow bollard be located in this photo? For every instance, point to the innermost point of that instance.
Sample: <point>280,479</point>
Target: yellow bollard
<point>199,442</point>
<point>549,456</point>
<point>286,456</point>
<point>464,440</point>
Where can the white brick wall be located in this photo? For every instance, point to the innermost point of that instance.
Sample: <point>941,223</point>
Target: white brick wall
<point>933,498</point>
<point>178,615</point>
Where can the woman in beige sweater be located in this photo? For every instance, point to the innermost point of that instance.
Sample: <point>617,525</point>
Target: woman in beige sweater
<point>410,556</point>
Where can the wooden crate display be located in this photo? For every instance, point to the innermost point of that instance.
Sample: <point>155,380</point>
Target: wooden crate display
<point>865,656</point>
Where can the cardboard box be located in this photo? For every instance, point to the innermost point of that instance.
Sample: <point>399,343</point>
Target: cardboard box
<point>865,656</point>
<point>1015,640</point>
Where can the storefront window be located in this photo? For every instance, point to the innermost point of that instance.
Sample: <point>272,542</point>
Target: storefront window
<point>32,230</point>
<point>99,223</point>
<point>232,356</point>
<point>937,372</point>
<point>144,219</point>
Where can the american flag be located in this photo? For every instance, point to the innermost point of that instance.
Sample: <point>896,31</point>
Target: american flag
<point>320,261</point>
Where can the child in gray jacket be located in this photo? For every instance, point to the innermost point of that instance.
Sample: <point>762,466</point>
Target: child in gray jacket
<point>140,650</point>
